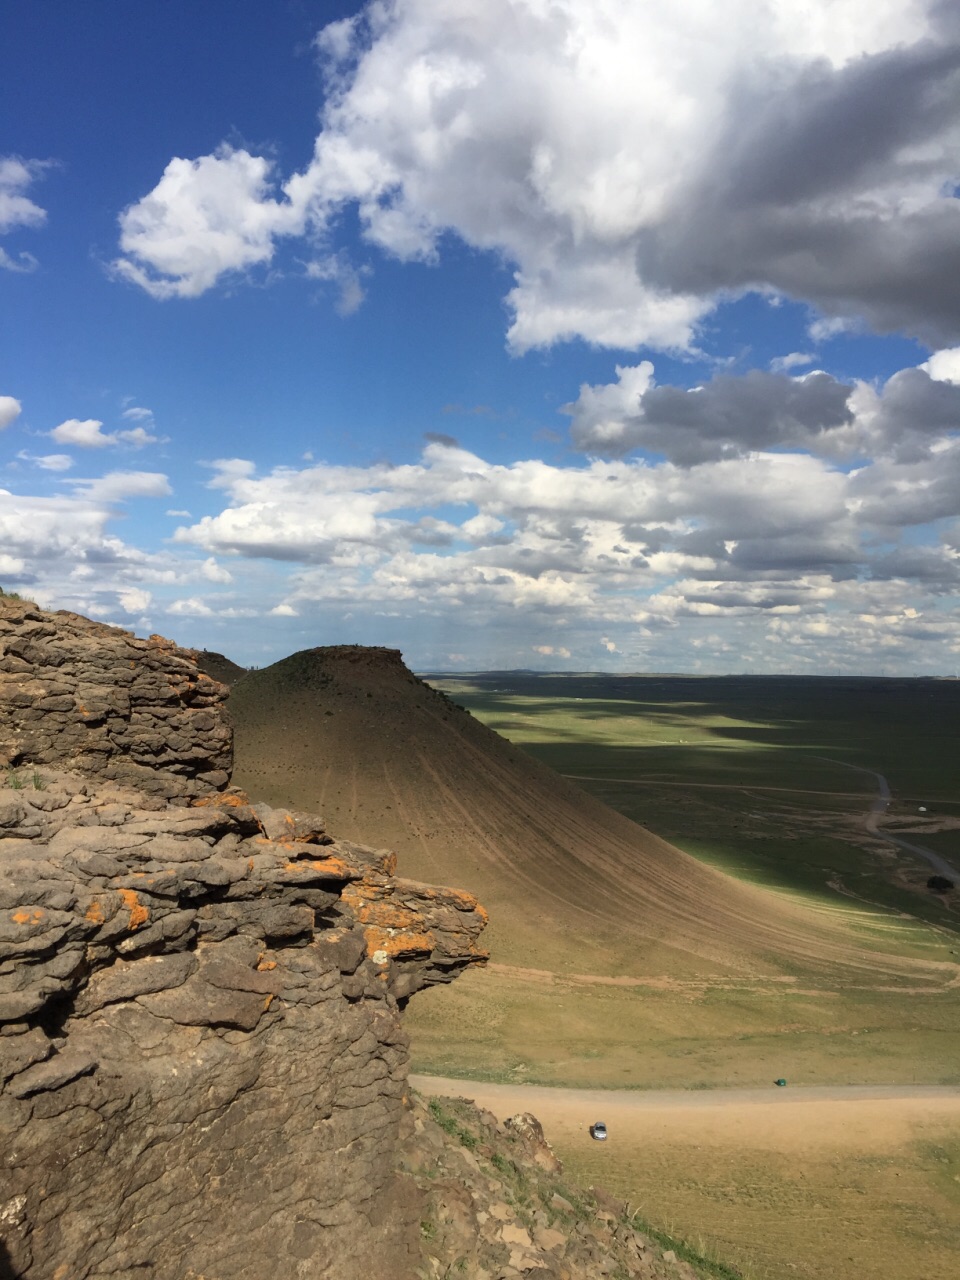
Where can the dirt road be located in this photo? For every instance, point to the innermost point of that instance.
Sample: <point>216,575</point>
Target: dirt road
<point>879,807</point>
<point>815,1183</point>
<point>505,1099</point>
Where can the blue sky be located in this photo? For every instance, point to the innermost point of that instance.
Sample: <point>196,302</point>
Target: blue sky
<point>540,333</point>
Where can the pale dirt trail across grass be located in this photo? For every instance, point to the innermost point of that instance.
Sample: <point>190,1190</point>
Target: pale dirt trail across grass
<point>879,806</point>
<point>507,1099</point>
<point>710,786</point>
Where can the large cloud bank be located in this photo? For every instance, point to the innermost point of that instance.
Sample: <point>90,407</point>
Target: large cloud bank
<point>790,555</point>
<point>633,161</point>
<point>772,521</point>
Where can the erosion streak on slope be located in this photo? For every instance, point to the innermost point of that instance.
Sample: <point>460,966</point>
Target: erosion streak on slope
<point>569,883</point>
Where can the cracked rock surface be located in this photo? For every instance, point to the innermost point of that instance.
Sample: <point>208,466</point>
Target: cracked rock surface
<point>85,695</point>
<point>202,1065</point>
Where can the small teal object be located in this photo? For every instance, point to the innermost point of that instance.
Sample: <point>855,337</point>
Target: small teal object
<point>781,1083</point>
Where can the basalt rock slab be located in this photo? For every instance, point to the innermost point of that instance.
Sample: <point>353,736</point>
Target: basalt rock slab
<point>204,1068</point>
<point>82,695</point>
<point>203,1071</point>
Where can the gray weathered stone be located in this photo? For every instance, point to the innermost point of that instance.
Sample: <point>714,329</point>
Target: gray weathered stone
<point>205,1070</point>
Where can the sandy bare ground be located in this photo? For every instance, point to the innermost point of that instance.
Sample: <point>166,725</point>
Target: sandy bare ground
<point>847,1121</point>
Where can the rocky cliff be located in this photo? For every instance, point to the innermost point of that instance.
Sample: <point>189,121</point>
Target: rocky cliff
<point>202,1067</point>
<point>84,695</point>
<point>203,1072</point>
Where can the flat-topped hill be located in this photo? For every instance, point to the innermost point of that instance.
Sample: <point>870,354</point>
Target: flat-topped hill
<point>571,885</point>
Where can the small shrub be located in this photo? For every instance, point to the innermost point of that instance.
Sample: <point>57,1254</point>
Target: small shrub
<point>449,1125</point>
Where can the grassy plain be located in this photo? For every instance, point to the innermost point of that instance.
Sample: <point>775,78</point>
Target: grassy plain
<point>753,776</point>
<point>764,779</point>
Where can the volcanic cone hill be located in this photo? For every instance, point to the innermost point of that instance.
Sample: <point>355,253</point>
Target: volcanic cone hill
<point>571,885</point>
<point>217,666</point>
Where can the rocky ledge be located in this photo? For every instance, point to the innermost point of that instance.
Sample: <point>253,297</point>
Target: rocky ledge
<point>92,697</point>
<point>202,1065</point>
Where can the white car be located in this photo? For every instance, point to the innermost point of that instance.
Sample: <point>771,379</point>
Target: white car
<point>598,1131</point>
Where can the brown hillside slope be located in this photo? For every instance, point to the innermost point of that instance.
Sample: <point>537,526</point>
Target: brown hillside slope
<point>571,886</point>
<point>217,666</point>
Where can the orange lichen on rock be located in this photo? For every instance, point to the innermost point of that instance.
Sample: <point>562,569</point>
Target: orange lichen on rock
<point>138,912</point>
<point>368,904</point>
<point>392,944</point>
<point>335,868</point>
<point>95,912</point>
<point>389,916</point>
<point>233,800</point>
<point>458,898</point>
<point>360,892</point>
<point>389,864</point>
<point>27,917</point>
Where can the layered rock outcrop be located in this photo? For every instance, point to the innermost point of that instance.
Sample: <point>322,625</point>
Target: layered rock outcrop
<point>202,1067</point>
<point>88,696</point>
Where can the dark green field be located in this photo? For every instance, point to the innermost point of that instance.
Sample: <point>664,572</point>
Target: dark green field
<point>766,777</point>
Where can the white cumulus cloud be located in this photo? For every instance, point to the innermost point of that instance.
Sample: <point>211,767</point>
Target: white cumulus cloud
<point>47,461</point>
<point>10,410</point>
<point>17,210</point>
<point>634,163</point>
<point>117,486</point>
<point>88,433</point>
<point>205,218</point>
<point>944,366</point>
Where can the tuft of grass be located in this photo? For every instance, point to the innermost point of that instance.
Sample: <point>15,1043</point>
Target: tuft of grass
<point>14,780</point>
<point>39,782</point>
<point>450,1125</point>
<point>711,1267</point>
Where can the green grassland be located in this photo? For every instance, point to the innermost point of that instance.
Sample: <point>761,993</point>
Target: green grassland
<point>690,759</point>
<point>765,777</point>
<point>762,778</point>
<point>746,730</point>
